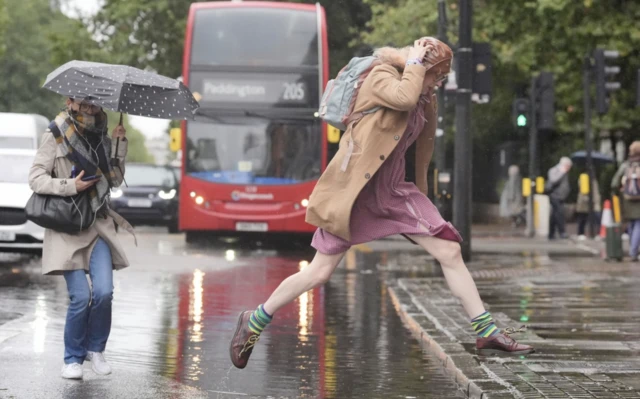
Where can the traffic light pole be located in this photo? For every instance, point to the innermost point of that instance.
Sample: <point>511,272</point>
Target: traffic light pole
<point>533,153</point>
<point>463,150</point>
<point>588,139</point>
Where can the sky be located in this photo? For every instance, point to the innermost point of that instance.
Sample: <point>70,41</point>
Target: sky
<point>150,127</point>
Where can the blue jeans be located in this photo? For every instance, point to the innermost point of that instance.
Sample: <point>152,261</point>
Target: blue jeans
<point>634,238</point>
<point>89,315</point>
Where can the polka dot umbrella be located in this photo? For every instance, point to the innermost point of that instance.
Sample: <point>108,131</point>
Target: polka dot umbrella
<point>123,89</point>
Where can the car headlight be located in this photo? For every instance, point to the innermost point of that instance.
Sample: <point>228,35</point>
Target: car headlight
<point>117,193</point>
<point>167,195</point>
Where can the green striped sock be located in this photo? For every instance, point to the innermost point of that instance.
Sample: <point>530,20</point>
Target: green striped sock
<point>484,325</point>
<point>259,320</point>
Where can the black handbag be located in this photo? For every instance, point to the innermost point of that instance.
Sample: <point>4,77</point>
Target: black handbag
<point>69,215</point>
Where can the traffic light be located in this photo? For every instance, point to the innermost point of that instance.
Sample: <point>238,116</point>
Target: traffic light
<point>602,71</point>
<point>546,101</point>
<point>520,112</point>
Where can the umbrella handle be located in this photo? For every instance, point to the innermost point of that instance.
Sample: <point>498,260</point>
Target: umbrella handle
<point>118,142</point>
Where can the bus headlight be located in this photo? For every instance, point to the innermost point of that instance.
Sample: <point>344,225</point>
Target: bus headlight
<point>199,200</point>
<point>116,193</point>
<point>304,202</point>
<point>167,195</point>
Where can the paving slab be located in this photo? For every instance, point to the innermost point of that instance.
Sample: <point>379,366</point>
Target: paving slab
<point>582,315</point>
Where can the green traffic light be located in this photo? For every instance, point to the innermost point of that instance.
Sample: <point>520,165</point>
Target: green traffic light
<point>522,121</point>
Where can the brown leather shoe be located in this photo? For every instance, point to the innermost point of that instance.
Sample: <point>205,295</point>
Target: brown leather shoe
<point>501,344</point>
<point>243,341</point>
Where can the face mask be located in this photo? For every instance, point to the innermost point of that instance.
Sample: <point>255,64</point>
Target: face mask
<point>89,121</point>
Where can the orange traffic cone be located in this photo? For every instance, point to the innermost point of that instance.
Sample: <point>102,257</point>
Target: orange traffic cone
<point>607,218</point>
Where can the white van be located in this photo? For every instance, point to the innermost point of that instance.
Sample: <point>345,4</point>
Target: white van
<point>21,131</point>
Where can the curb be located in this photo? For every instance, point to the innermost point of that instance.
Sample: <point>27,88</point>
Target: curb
<point>472,390</point>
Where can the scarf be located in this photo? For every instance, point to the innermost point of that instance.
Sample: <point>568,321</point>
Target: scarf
<point>84,141</point>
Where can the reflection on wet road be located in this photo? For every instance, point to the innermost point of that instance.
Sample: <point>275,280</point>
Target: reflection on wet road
<point>175,310</point>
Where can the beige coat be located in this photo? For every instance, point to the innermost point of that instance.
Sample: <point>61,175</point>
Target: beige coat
<point>397,90</point>
<point>62,251</point>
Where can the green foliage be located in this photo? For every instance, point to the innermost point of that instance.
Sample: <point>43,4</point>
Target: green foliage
<point>526,38</point>
<point>25,59</point>
<point>144,33</point>
<point>137,151</point>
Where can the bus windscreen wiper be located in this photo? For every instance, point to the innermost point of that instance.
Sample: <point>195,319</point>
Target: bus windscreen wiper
<point>208,115</point>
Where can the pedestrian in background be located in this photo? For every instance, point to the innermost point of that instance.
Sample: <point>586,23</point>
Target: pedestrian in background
<point>582,209</point>
<point>627,182</point>
<point>558,189</point>
<point>78,136</point>
<point>511,205</point>
<point>362,195</point>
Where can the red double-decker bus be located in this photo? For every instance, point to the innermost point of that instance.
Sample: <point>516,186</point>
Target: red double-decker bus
<point>256,148</point>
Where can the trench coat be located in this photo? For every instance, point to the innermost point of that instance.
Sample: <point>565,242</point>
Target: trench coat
<point>63,252</point>
<point>396,89</point>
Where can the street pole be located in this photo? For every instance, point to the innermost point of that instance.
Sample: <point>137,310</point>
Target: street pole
<point>462,193</point>
<point>441,148</point>
<point>533,152</point>
<point>586,82</point>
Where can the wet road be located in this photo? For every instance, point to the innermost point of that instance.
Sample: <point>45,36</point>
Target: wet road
<point>175,310</point>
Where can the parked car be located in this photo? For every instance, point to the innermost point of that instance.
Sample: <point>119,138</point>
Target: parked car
<point>21,131</point>
<point>17,234</point>
<point>150,196</point>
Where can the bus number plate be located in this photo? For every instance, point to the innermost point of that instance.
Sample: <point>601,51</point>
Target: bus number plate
<point>245,226</point>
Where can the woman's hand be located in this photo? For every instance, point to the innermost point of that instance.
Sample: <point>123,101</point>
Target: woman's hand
<point>419,50</point>
<point>119,132</point>
<point>83,185</point>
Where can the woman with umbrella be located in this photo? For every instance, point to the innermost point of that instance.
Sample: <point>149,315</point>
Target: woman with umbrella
<point>78,159</point>
<point>81,130</point>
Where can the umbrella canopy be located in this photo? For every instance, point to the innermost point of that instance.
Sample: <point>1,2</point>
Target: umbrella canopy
<point>595,155</point>
<point>123,88</point>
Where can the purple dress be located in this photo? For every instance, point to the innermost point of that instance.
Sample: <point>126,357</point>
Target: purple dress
<point>387,205</point>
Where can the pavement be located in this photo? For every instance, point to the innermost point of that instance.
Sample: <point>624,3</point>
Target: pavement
<point>581,313</point>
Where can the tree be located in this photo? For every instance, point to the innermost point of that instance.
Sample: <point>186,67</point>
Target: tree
<point>526,38</point>
<point>137,151</point>
<point>25,61</point>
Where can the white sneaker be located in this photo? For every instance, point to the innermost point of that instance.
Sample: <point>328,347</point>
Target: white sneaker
<point>72,371</point>
<point>98,363</point>
<point>582,237</point>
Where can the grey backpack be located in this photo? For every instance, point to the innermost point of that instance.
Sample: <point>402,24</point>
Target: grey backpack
<point>339,98</point>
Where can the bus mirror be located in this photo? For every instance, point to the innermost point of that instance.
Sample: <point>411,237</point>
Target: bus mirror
<point>176,139</point>
<point>333,134</point>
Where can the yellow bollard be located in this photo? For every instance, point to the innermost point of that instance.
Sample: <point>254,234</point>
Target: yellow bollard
<point>616,209</point>
<point>175,135</point>
<point>526,187</point>
<point>539,185</point>
<point>585,187</point>
<point>333,134</point>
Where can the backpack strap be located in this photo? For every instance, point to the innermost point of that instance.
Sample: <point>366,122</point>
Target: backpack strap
<point>356,116</point>
<point>353,119</point>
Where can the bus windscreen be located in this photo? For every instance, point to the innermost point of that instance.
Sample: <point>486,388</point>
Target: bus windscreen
<point>255,37</point>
